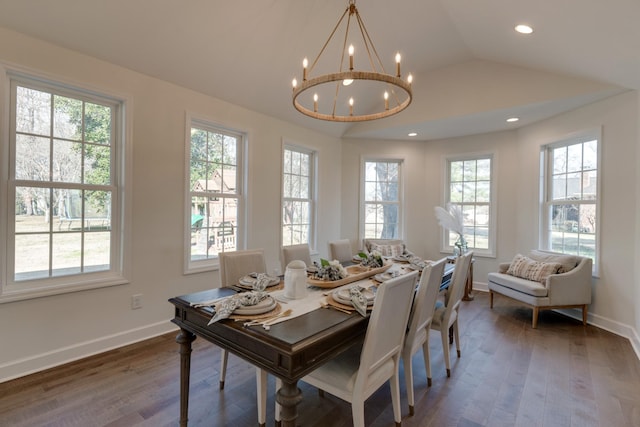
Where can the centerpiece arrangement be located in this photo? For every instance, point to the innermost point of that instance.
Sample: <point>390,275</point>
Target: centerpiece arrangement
<point>372,259</point>
<point>329,270</point>
<point>331,274</point>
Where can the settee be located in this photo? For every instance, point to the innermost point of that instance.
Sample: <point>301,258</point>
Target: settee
<point>544,280</point>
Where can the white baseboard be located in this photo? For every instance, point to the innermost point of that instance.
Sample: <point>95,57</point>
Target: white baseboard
<point>21,367</point>
<point>601,322</point>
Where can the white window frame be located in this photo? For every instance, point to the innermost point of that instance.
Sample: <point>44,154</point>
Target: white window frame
<point>546,175</point>
<point>400,202</point>
<point>446,245</point>
<point>212,263</point>
<point>311,199</point>
<point>120,243</point>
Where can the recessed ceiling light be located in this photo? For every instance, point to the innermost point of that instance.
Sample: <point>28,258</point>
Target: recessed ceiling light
<point>412,134</point>
<point>524,29</point>
<point>513,119</point>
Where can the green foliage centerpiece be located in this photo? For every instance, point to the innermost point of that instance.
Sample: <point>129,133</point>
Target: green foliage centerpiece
<point>372,259</point>
<point>330,270</point>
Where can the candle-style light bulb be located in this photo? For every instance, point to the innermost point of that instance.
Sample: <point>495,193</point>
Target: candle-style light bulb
<point>386,100</point>
<point>294,83</point>
<point>315,102</point>
<point>305,62</point>
<point>410,78</point>
<point>351,106</point>
<point>398,57</point>
<point>351,50</point>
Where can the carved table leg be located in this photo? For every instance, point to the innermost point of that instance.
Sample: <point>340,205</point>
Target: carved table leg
<point>184,338</point>
<point>288,397</point>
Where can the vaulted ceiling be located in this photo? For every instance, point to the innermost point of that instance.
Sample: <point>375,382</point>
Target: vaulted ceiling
<point>471,69</point>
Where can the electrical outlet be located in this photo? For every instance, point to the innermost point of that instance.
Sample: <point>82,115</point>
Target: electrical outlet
<point>136,301</point>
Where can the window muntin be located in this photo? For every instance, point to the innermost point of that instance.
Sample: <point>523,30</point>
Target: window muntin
<point>382,199</point>
<point>571,198</point>
<point>297,196</point>
<point>66,153</point>
<point>469,186</point>
<point>215,192</point>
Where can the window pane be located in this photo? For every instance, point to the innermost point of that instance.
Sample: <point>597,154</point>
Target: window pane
<point>31,256</point>
<point>97,164</point>
<point>574,158</point>
<point>67,161</point>
<point>33,111</point>
<point>67,254</point>
<point>97,251</point>
<point>32,208</point>
<point>32,158</point>
<point>97,123</point>
<point>67,118</point>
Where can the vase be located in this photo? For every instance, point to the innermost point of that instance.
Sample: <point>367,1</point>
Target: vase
<point>461,246</point>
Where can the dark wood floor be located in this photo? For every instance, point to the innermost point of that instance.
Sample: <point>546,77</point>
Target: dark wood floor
<point>562,374</point>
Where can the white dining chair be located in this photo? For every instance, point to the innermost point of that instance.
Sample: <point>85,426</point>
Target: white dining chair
<point>446,315</point>
<point>358,372</point>
<point>340,250</point>
<point>424,304</point>
<point>233,266</point>
<point>296,252</point>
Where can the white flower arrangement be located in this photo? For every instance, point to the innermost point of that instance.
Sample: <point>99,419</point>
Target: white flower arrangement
<point>452,219</point>
<point>372,259</point>
<point>330,270</point>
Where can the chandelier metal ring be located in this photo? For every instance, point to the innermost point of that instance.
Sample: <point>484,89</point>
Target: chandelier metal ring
<point>354,75</point>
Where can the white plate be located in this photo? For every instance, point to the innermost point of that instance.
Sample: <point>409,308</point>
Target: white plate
<point>343,297</point>
<point>383,277</point>
<point>401,258</point>
<point>248,281</point>
<point>263,306</point>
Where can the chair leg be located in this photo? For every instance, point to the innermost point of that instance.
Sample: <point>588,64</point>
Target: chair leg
<point>261,385</point>
<point>408,379</point>
<point>584,315</point>
<point>357,411</point>
<point>490,299</point>
<point>277,410</point>
<point>223,367</point>
<point>427,359</point>
<point>534,321</point>
<point>445,348</point>
<point>456,335</point>
<point>395,398</point>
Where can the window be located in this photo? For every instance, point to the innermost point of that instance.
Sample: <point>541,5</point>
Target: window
<point>469,186</point>
<point>382,199</point>
<point>215,220</point>
<point>570,196</point>
<point>297,196</point>
<point>65,197</point>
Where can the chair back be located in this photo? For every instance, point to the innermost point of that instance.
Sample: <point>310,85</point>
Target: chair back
<point>424,302</point>
<point>389,244</point>
<point>458,282</point>
<point>234,265</point>
<point>296,252</point>
<point>340,250</point>
<point>387,325</point>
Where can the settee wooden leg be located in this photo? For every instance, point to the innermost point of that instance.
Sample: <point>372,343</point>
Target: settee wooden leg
<point>584,315</point>
<point>534,323</point>
<point>490,299</point>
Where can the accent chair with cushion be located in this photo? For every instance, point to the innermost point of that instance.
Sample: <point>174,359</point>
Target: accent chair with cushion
<point>544,280</point>
<point>296,252</point>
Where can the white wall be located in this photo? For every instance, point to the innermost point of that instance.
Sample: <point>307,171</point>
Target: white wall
<point>47,331</point>
<point>616,299</point>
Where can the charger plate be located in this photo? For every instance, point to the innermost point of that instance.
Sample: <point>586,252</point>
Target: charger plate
<point>342,296</point>
<point>264,306</point>
<point>247,282</point>
<point>268,314</point>
<point>335,303</point>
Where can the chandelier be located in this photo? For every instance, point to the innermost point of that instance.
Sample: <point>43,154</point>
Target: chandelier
<point>332,96</point>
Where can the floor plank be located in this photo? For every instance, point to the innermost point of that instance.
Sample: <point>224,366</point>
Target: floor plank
<point>561,374</point>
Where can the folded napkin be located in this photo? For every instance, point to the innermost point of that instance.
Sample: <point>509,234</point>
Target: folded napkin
<point>358,300</point>
<point>245,299</point>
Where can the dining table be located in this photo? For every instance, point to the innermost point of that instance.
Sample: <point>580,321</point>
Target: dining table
<point>289,349</point>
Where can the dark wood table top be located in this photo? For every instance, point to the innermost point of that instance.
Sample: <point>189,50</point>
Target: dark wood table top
<point>289,349</point>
